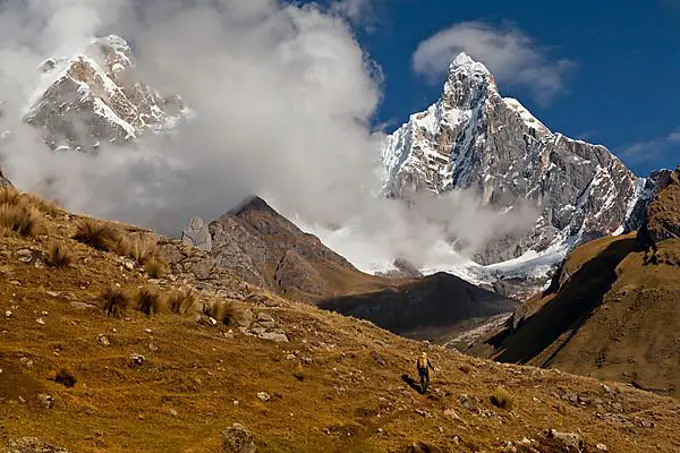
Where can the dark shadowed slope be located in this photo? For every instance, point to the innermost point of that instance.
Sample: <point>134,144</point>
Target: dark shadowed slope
<point>436,307</point>
<point>612,311</point>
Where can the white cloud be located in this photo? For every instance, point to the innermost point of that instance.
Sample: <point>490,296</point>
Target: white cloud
<point>284,96</point>
<point>652,150</point>
<point>358,11</point>
<point>510,55</point>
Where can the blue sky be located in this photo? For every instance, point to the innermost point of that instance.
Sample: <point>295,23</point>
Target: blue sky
<point>607,72</point>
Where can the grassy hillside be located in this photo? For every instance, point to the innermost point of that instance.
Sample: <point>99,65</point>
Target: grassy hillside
<point>612,311</point>
<point>338,385</point>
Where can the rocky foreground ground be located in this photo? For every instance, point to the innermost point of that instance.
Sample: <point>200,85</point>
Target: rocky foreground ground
<point>262,373</point>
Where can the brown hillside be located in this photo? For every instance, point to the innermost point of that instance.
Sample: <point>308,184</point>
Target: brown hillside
<point>261,246</point>
<point>612,311</point>
<point>337,385</point>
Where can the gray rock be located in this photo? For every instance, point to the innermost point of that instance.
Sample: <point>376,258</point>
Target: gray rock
<point>273,336</point>
<point>265,317</point>
<point>81,305</point>
<point>569,441</point>
<point>264,396</point>
<point>137,359</point>
<point>197,234</point>
<point>33,445</point>
<point>47,401</point>
<point>238,439</point>
<point>24,255</point>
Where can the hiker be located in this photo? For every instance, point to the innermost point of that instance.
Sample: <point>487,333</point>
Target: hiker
<point>424,366</point>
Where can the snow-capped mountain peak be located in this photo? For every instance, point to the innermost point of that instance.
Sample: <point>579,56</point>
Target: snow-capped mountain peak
<point>97,95</point>
<point>473,138</point>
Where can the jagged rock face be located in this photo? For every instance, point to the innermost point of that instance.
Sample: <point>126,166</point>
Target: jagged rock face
<point>473,138</point>
<point>663,212</point>
<point>4,181</point>
<point>96,97</point>
<point>656,182</point>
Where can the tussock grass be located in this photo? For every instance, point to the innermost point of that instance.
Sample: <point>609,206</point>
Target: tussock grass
<point>149,301</point>
<point>115,301</point>
<point>143,249</point>
<point>155,267</point>
<point>58,255</point>
<point>224,312</point>
<point>22,219</point>
<point>501,398</point>
<point>98,235</point>
<point>9,195</point>
<point>65,378</point>
<point>182,301</point>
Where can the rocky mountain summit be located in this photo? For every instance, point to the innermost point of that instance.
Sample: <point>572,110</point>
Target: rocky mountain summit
<point>473,138</point>
<point>96,97</point>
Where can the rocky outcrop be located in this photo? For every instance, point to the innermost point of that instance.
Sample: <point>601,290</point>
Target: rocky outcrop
<point>663,213</point>
<point>656,182</point>
<point>473,138</point>
<point>197,234</point>
<point>3,180</point>
<point>31,445</point>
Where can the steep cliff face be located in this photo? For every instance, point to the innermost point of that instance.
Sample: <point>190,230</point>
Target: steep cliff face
<point>473,138</point>
<point>96,97</point>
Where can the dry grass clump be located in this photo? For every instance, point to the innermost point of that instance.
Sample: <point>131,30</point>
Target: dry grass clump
<point>49,207</point>
<point>501,398</point>
<point>9,195</point>
<point>58,255</point>
<point>224,312</point>
<point>22,219</point>
<point>142,249</point>
<point>115,301</point>
<point>182,301</point>
<point>149,301</point>
<point>65,378</point>
<point>155,267</point>
<point>98,235</point>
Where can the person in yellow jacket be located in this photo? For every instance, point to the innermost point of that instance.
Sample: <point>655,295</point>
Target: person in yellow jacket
<point>424,366</point>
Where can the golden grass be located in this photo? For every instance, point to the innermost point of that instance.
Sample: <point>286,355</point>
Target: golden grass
<point>149,301</point>
<point>224,312</point>
<point>115,301</point>
<point>155,267</point>
<point>182,301</point>
<point>501,398</point>
<point>98,235</point>
<point>22,219</point>
<point>58,255</point>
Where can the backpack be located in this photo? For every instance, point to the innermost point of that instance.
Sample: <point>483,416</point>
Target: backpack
<point>422,363</point>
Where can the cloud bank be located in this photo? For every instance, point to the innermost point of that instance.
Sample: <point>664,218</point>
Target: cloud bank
<point>511,55</point>
<point>283,95</point>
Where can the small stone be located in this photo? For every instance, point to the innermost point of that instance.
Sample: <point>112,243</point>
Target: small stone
<point>15,282</point>
<point>8,313</point>
<point>52,293</point>
<point>101,339</point>
<point>290,357</point>
<point>265,317</point>
<point>25,255</point>
<point>47,401</point>
<point>173,412</point>
<point>81,305</point>
<point>601,447</point>
<point>264,396</point>
<point>40,321</point>
<point>148,331</point>
<point>45,313</point>
<point>152,347</point>
<point>137,359</point>
<point>423,413</point>
<point>26,362</point>
<point>236,403</point>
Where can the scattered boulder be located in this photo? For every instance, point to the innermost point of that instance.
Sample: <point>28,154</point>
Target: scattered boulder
<point>81,305</point>
<point>567,442</point>
<point>378,358</point>
<point>24,255</point>
<point>274,336</point>
<point>238,439</point>
<point>102,340</point>
<point>264,396</point>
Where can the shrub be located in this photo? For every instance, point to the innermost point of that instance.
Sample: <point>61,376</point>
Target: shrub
<point>502,398</point>
<point>98,235</point>
<point>22,219</point>
<point>224,312</point>
<point>58,255</point>
<point>115,301</point>
<point>182,301</point>
<point>155,267</point>
<point>149,301</point>
<point>65,378</point>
